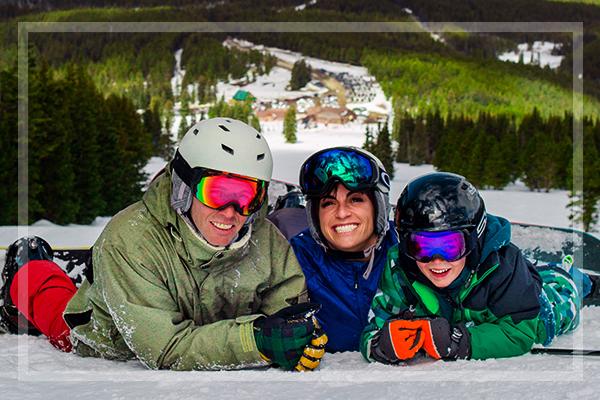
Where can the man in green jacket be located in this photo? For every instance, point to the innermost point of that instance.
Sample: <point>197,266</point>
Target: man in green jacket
<point>185,278</point>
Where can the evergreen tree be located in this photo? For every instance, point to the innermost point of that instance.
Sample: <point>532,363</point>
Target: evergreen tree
<point>239,111</point>
<point>136,143</point>
<point>369,144</point>
<point>549,161</point>
<point>444,151</point>
<point>456,144</point>
<point>435,129</point>
<point>161,141</point>
<point>254,122</point>
<point>57,196</point>
<point>585,192</point>
<point>112,166</point>
<point>183,127</point>
<point>300,75</point>
<point>383,149</point>
<point>289,125</point>
<point>419,142</point>
<point>531,162</point>
<point>83,100</point>
<point>72,178</point>
<point>8,145</point>
<point>37,150</point>
<point>404,137</point>
<point>495,173</point>
<point>168,116</point>
<point>529,126</point>
<point>475,170</point>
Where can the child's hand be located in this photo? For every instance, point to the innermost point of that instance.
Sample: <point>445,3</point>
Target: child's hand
<point>401,339</point>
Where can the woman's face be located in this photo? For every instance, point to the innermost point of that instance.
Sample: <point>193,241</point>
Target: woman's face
<point>347,220</point>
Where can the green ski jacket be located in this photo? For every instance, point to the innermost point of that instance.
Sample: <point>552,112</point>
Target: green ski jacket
<point>163,295</point>
<point>497,297</point>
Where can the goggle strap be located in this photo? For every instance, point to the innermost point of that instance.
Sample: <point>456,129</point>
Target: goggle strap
<point>183,169</point>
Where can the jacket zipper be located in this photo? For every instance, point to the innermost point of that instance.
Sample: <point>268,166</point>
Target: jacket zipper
<point>359,302</point>
<point>464,294</point>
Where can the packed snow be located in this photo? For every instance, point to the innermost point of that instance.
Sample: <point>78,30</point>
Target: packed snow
<point>30,367</point>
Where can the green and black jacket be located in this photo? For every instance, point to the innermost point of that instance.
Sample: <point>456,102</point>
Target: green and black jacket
<point>496,296</point>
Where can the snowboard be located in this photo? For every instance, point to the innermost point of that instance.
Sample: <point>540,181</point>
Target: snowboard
<point>551,244</point>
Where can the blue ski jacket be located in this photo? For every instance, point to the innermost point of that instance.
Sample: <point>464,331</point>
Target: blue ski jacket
<point>342,287</point>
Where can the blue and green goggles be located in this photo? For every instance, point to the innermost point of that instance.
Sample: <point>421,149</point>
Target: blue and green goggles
<point>355,170</point>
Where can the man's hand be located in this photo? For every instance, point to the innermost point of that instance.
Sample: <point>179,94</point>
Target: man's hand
<point>314,351</point>
<point>401,339</point>
<point>283,337</point>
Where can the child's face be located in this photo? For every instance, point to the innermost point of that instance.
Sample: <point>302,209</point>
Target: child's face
<point>441,272</point>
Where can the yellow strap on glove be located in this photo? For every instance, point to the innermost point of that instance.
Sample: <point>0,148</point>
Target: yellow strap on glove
<point>314,351</point>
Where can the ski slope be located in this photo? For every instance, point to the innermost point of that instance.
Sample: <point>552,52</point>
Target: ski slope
<point>31,367</point>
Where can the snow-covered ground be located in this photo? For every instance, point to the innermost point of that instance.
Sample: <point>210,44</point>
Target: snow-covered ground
<point>273,86</point>
<point>31,368</point>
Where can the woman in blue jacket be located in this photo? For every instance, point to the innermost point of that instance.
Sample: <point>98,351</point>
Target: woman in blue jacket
<point>343,252</point>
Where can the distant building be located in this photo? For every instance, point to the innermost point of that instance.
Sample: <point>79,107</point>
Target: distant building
<point>327,115</point>
<point>242,95</point>
<point>271,114</point>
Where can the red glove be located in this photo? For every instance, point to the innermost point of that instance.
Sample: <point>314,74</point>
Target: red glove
<point>401,339</point>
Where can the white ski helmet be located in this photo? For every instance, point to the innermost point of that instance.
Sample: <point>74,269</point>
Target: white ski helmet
<point>228,145</point>
<point>220,144</point>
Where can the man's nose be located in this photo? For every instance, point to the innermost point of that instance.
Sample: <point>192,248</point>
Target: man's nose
<point>228,212</point>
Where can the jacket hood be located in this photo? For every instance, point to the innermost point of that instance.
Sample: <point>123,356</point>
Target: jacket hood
<point>497,235</point>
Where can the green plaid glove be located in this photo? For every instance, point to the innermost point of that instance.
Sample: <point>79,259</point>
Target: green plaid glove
<point>282,337</point>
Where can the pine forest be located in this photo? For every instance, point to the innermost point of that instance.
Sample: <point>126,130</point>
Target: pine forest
<point>101,104</point>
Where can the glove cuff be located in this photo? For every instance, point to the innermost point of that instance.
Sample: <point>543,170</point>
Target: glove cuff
<point>376,352</point>
<point>460,343</point>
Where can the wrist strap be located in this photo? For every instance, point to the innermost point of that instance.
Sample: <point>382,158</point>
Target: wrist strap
<point>454,342</point>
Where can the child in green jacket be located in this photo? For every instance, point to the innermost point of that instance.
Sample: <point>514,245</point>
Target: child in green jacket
<point>456,287</point>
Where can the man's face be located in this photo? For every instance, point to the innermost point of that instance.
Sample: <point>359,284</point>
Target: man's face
<point>219,227</point>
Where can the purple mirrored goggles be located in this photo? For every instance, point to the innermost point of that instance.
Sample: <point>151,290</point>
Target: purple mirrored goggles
<point>449,245</point>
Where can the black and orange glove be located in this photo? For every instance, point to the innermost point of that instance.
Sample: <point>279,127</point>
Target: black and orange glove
<point>401,339</point>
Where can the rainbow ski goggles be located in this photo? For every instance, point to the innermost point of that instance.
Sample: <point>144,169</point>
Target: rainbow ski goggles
<point>219,190</point>
<point>449,245</point>
<point>353,169</point>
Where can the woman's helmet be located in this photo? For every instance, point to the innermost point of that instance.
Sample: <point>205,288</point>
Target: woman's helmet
<point>223,162</point>
<point>357,170</point>
<point>439,214</point>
